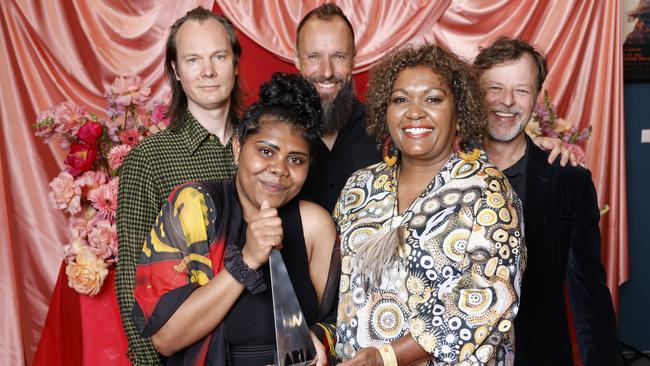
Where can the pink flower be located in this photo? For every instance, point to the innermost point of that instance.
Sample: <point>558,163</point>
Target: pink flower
<point>158,113</point>
<point>142,117</point>
<point>116,155</point>
<point>102,238</point>
<point>578,152</point>
<point>130,137</point>
<point>86,274</point>
<point>158,120</point>
<point>127,90</point>
<point>79,225</point>
<point>104,200</point>
<point>68,117</point>
<point>65,194</point>
<point>45,125</point>
<point>91,180</point>
<point>112,129</point>
<point>71,250</point>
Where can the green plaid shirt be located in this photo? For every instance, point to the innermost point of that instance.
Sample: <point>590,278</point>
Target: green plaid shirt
<point>149,173</point>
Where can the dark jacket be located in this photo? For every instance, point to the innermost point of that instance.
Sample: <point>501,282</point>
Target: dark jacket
<point>353,149</point>
<point>561,226</point>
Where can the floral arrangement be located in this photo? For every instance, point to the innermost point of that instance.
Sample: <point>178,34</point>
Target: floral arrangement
<point>86,190</point>
<point>545,122</point>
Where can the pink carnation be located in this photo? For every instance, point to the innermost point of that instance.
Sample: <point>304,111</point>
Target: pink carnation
<point>91,180</point>
<point>79,225</point>
<point>68,117</point>
<point>130,137</point>
<point>104,200</point>
<point>65,194</point>
<point>116,155</point>
<point>127,90</point>
<point>102,239</point>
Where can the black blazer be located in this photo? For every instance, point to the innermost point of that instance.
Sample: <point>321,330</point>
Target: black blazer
<point>561,226</point>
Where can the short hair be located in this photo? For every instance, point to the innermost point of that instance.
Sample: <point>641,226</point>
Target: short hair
<point>325,12</point>
<point>289,99</point>
<point>178,103</point>
<point>506,49</point>
<point>468,96</point>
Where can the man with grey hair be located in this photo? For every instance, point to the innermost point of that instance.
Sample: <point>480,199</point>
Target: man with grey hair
<point>561,219</point>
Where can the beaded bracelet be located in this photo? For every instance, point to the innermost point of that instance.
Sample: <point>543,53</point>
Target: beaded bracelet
<point>387,355</point>
<point>234,264</point>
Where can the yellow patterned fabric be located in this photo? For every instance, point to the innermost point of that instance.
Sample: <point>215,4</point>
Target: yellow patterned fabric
<point>455,282</point>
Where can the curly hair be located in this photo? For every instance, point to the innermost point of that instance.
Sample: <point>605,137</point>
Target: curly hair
<point>286,98</point>
<point>468,96</point>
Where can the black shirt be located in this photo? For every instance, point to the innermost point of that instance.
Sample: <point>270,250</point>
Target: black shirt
<point>516,174</point>
<point>353,149</point>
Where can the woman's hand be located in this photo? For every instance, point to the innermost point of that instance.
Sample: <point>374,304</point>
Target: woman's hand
<point>365,357</point>
<point>321,354</point>
<point>264,233</point>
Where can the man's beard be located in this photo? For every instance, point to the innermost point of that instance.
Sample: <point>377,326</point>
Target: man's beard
<point>498,134</point>
<point>337,113</point>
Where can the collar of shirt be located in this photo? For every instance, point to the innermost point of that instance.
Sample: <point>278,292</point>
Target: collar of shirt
<point>518,168</point>
<point>192,134</point>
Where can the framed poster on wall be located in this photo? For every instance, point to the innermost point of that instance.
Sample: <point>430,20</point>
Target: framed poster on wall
<point>636,40</point>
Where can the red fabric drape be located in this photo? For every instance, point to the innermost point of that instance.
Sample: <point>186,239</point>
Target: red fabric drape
<point>71,50</point>
<point>55,51</point>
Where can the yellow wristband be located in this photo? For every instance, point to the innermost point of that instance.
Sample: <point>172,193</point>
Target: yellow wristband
<point>387,355</point>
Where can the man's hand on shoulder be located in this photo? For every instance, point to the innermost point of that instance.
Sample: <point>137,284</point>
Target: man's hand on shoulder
<point>555,148</point>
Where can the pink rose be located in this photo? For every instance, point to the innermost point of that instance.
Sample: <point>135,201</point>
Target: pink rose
<point>116,156</point>
<point>104,200</point>
<point>102,238</point>
<point>69,117</point>
<point>90,132</point>
<point>127,90</point>
<point>81,158</point>
<point>86,273</point>
<point>65,194</point>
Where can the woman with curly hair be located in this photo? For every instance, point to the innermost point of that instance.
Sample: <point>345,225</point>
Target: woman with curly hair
<point>202,283</point>
<point>432,238</point>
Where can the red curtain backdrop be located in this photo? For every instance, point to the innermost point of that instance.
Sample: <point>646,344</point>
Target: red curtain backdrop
<point>72,50</point>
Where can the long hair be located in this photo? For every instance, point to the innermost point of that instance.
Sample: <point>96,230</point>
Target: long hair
<point>178,103</point>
